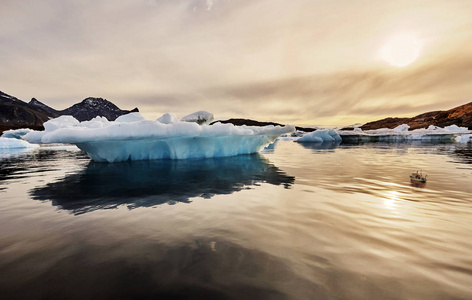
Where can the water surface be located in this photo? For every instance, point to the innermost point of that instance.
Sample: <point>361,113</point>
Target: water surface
<point>319,221</point>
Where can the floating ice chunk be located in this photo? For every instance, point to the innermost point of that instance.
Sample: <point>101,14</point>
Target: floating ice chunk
<point>357,129</point>
<point>401,128</point>
<point>456,128</point>
<point>321,135</point>
<point>13,143</point>
<point>298,133</point>
<point>131,117</point>
<point>334,135</point>
<point>16,133</point>
<point>168,118</point>
<point>464,138</point>
<point>201,117</point>
<point>399,134</point>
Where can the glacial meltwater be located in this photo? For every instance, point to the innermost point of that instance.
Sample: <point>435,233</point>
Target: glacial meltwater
<point>298,221</point>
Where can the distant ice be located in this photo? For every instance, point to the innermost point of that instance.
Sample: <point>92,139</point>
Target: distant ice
<point>201,117</point>
<point>16,133</point>
<point>168,118</point>
<point>14,143</point>
<point>465,138</point>
<point>401,133</point>
<point>145,139</point>
<point>402,128</point>
<point>319,136</point>
<point>456,128</point>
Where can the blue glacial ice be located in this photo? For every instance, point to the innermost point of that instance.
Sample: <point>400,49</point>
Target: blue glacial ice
<point>320,136</point>
<point>133,138</point>
<point>16,133</point>
<point>14,143</point>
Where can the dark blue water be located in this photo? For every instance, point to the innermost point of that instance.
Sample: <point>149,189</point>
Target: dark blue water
<point>295,222</point>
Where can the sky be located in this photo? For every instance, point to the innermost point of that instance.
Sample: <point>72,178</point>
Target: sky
<point>302,62</point>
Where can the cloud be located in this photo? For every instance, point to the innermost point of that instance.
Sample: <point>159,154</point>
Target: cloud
<point>367,94</point>
<point>209,4</point>
<point>299,61</point>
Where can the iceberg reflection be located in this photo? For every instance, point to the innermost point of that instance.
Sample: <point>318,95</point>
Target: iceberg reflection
<point>320,145</point>
<point>149,183</point>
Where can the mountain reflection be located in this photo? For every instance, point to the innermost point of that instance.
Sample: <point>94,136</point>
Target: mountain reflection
<point>464,154</point>
<point>149,183</point>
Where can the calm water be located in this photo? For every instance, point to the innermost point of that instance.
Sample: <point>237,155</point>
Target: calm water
<point>294,222</point>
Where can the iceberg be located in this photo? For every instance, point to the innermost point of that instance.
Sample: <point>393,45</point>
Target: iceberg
<point>133,138</point>
<point>464,138</point>
<point>14,143</point>
<point>201,117</point>
<point>401,134</point>
<point>16,133</point>
<point>320,136</point>
<point>168,118</point>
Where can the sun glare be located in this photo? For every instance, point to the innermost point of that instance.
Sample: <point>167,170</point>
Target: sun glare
<point>401,50</point>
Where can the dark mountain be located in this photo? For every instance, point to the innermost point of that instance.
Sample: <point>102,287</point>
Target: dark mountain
<point>248,122</point>
<point>460,116</point>
<point>90,107</point>
<point>15,113</point>
<point>43,107</point>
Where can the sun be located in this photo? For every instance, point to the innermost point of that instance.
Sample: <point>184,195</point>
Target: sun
<point>401,50</point>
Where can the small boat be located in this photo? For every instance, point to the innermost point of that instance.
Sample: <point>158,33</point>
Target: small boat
<point>418,177</point>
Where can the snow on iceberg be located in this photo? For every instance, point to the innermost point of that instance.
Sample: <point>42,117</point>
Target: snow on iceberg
<point>13,143</point>
<point>402,128</point>
<point>168,118</point>
<point>131,117</point>
<point>145,139</point>
<point>201,117</point>
<point>319,136</point>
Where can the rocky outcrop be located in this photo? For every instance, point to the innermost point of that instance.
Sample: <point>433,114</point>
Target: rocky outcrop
<point>248,122</point>
<point>91,107</point>
<point>15,113</point>
<point>460,116</point>
<point>43,107</point>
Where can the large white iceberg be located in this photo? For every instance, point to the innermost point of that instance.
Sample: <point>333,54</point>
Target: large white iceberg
<point>145,139</point>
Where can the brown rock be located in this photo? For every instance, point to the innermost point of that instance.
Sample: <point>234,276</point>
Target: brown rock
<point>460,116</point>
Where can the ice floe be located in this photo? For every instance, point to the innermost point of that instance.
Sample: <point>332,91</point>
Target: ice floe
<point>133,138</point>
<point>401,133</point>
<point>168,118</point>
<point>14,143</point>
<point>319,136</point>
<point>201,117</point>
<point>16,133</point>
